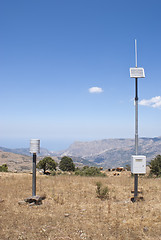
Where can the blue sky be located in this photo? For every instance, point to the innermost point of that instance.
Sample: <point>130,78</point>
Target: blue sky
<point>51,54</point>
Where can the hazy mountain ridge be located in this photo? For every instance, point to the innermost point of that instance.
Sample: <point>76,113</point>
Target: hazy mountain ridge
<point>87,149</point>
<point>114,152</point>
<point>107,153</point>
<point>25,151</point>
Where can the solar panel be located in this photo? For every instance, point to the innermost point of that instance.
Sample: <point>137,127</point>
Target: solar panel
<point>137,73</point>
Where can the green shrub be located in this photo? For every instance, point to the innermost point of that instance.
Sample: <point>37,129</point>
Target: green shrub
<point>89,171</point>
<point>66,164</point>
<point>155,166</point>
<point>4,168</point>
<point>102,192</point>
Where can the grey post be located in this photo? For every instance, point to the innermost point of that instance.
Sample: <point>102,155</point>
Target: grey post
<point>34,175</point>
<point>136,126</point>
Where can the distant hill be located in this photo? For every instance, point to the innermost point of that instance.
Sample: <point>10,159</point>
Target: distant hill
<point>25,151</point>
<point>114,152</point>
<point>105,153</point>
<point>19,159</point>
<point>23,163</point>
<point>16,162</point>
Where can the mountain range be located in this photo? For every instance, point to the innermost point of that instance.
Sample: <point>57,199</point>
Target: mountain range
<point>114,152</point>
<point>105,153</point>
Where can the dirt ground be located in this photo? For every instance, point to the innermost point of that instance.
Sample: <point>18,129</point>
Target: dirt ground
<point>72,209</point>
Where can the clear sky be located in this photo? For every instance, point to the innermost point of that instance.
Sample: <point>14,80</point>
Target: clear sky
<point>64,70</point>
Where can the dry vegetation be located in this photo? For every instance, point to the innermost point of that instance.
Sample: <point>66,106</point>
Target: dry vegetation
<point>71,209</point>
<point>16,162</point>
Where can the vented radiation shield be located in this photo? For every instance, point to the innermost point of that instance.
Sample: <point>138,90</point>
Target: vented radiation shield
<point>34,146</point>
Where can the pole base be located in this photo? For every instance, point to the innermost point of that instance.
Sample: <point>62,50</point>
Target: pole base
<point>137,199</point>
<point>36,200</point>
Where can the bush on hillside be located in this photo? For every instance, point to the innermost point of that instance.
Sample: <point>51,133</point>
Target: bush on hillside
<point>155,166</point>
<point>4,168</point>
<point>90,171</point>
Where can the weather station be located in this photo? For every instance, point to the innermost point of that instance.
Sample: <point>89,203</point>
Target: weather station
<point>34,148</point>
<point>34,200</point>
<point>138,162</point>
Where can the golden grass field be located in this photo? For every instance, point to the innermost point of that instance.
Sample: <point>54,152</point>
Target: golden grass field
<point>72,210</point>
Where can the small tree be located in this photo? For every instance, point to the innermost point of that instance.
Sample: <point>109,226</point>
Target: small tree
<point>155,166</point>
<point>66,164</point>
<point>47,163</point>
<point>4,168</point>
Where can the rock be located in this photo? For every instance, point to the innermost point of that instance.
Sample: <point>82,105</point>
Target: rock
<point>32,204</point>
<point>83,210</point>
<point>66,215</point>
<point>1,200</point>
<point>22,203</point>
<point>145,229</point>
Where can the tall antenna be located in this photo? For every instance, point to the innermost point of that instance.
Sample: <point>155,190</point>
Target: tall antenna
<point>136,54</point>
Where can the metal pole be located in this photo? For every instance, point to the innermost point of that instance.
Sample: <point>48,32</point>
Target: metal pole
<point>136,62</point>
<point>136,116</point>
<point>135,186</point>
<point>136,138</point>
<point>136,125</point>
<point>34,175</point>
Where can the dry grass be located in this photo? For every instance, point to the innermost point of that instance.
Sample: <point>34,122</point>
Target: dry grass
<point>16,162</point>
<point>72,210</point>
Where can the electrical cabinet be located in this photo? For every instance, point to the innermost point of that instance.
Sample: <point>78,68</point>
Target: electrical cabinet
<point>138,164</point>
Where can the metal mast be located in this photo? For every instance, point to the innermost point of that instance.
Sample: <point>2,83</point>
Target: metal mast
<point>136,104</point>
<point>136,124</point>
